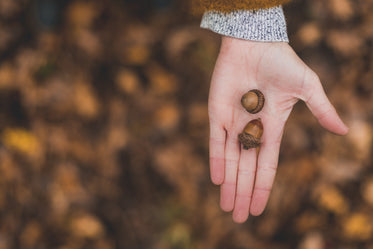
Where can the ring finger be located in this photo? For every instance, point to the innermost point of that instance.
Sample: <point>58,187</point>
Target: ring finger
<point>245,183</point>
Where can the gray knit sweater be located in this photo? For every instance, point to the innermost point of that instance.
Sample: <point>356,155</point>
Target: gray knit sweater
<point>267,25</point>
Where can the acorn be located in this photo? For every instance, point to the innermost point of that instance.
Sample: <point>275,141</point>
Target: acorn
<point>251,135</point>
<point>253,101</point>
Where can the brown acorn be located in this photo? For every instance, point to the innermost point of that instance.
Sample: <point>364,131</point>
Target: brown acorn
<point>251,135</point>
<point>253,101</point>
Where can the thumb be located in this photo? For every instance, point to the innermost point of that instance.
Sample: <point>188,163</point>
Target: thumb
<point>320,106</point>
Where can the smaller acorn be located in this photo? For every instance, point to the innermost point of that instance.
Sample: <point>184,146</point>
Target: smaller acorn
<point>253,101</point>
<point>251,135</point>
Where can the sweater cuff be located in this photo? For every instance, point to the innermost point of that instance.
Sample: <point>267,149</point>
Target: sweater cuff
<point>267,25</point>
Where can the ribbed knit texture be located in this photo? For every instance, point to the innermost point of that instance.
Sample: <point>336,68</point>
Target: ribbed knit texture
<point>267,25</point>
<point>200,6</point>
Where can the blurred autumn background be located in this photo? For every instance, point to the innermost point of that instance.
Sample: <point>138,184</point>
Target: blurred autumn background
<point>104,130</point>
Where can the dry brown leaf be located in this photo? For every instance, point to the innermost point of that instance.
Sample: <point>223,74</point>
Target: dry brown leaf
<point>88,41</point>
<point>8,8</point>
<point>181,168</point>
<point>49,42</point>
<point>346,43</point>
<point>331,199</point>
<point>198,114</point>
<point>58,140</point>
<point>4,244</point>
<point>341,9</point>
<point>137,54</point>
<point>67,178</point>
<point>139,34</point>
<point>117,138</point>
<point>104,244</point>
<point>167,117</point>
<point>309,221</point>
<point>82,149</point>
<point>6,37</point>
<point>21,140</point>
<point>340,170</point>
<point>127,81</point>
<point>309,34</point>
<point>162,81</point>
<point>30,235</point>
<point>66,189</point>
<point>7,76</point>
<point>361,137</point>
<point>9,170</point>
<point>86,102</point>
<point>86,226</point>
<point>178,41</point>
<point>82,14</point>
<point>313,240</point>
<point>358,226</point>
<point>179,235</point>
<point>367,191</point>
<point>268,226</point>
<point>59,201</point>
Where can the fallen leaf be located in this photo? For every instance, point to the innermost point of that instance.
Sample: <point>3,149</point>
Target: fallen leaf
<point>341,9</point>
<point>127,81</point>
<point>21,140</point>
<point>167,117</point>
<point>86,102</point>
<point>358,226</point>
<point>309,34</point>
<point>86,226</point>
<point>331,199</point>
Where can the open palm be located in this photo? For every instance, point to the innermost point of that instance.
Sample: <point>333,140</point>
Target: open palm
<point>275,70</point>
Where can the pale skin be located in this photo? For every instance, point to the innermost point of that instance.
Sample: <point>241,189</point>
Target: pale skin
<point>246,178</point>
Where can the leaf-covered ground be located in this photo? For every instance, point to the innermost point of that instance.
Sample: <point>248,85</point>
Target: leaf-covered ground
<point>104,130</point>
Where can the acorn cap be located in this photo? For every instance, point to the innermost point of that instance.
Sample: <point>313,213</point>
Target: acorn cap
<point>248,141</point>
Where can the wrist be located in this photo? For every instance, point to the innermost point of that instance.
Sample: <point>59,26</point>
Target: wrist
<point>237,45</point>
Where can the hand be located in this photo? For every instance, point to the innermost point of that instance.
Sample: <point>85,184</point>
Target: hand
<point>276,70</point>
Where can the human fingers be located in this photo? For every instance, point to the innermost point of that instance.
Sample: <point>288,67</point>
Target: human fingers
<point>228,188</point>
<point>217,147</point>
<point>320,106</point>
<point>245,182</point>
<point>267,164</point>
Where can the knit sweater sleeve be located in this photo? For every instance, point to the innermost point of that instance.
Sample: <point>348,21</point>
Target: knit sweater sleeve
<point>267,25</point>
<point>230,5</point>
